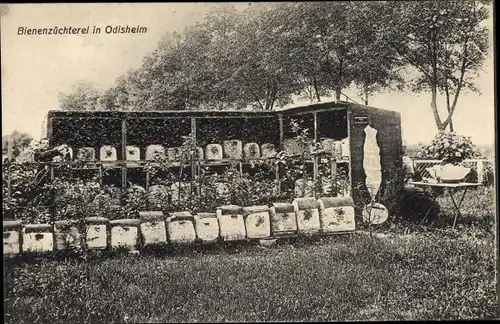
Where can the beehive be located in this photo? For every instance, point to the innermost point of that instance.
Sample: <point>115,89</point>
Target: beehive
<point>67,234</point>
<point>251,151</point>
<point>96,233</point>
<point>125,233</point>
<point>107,153</point>
<point>207,227</point>
<point>86,154</point>
<point>155,152</point>
<point>257,222</point>
<point>133,153</point>
<point>213,152</point>
<point>344,143</point>
<point>11,237</point>
<point>233,149</point>
<point>180,228</point>
<point>328,145</point>
<point>38,238</point>
<point>307,213</point>
<point>199,154</point>
<point>174,154</point>
<point>231,223</point>
<point>267,150</point>
<point>336,214</point>
<point>153,229</point>
<point>283,219</point>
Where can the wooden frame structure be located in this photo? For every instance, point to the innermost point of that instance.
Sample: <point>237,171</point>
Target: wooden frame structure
<point>330,120</point>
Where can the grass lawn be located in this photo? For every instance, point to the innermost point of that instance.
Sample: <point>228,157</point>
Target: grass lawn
<point>421,276</point>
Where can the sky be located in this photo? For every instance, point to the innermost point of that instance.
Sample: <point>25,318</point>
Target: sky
<point>35,69</point>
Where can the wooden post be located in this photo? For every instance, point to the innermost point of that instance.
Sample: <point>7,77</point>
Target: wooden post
<point>52,195</point>
<point>194,175</point>
<point>281,133</point>
<point>100,174</point>
<point>480,170</point>
<point>9,185</point>
<point>315,157</point>
<point>124,152</point>
<point>280,149</point>
<point>333,171</point>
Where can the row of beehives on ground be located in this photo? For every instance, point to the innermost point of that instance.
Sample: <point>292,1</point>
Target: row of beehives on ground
<point>233,149</point>
<point>229,223</point>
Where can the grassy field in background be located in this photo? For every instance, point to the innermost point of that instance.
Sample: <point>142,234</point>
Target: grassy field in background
<point>431,273</point>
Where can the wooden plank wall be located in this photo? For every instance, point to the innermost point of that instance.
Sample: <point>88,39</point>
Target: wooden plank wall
<point>389,139</point>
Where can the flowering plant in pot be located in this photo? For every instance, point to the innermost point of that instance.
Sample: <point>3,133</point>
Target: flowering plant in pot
<point>452,149</point>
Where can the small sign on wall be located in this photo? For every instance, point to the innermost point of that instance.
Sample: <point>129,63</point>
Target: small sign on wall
<point>361,120</point>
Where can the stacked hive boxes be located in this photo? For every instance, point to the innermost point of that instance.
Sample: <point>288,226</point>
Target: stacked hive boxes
<point>230,223</point>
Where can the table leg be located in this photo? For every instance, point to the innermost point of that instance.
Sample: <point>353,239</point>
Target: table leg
<point>457,206</point>
<point>434,197</point>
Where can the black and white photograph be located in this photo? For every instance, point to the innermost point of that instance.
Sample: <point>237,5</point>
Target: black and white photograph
<point>249,161</point>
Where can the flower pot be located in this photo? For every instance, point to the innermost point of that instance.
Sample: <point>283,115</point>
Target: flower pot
<point>448,173</point>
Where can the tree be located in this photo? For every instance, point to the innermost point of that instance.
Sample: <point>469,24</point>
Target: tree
<point>17,141</point>
<point>444,41</point>
<point>84,96</point>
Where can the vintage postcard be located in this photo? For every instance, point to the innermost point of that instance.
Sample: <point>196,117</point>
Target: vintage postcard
<point>253,161</point>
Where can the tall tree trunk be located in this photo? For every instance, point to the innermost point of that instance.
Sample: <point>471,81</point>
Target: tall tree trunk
<point>316,91</point>
<point>338,93</point>
<point>366,96</point>
<point>447,91</point>
<point>434,81</point>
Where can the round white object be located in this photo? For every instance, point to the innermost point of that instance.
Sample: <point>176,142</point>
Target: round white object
<point>375,213</point>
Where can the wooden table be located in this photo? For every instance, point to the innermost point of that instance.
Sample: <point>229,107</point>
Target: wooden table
<point>452,188</point>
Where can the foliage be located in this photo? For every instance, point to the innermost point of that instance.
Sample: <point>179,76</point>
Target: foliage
<point>446,42</point>
<point>19,141</point>
<point>449,147</point>
<point>84,96</point>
